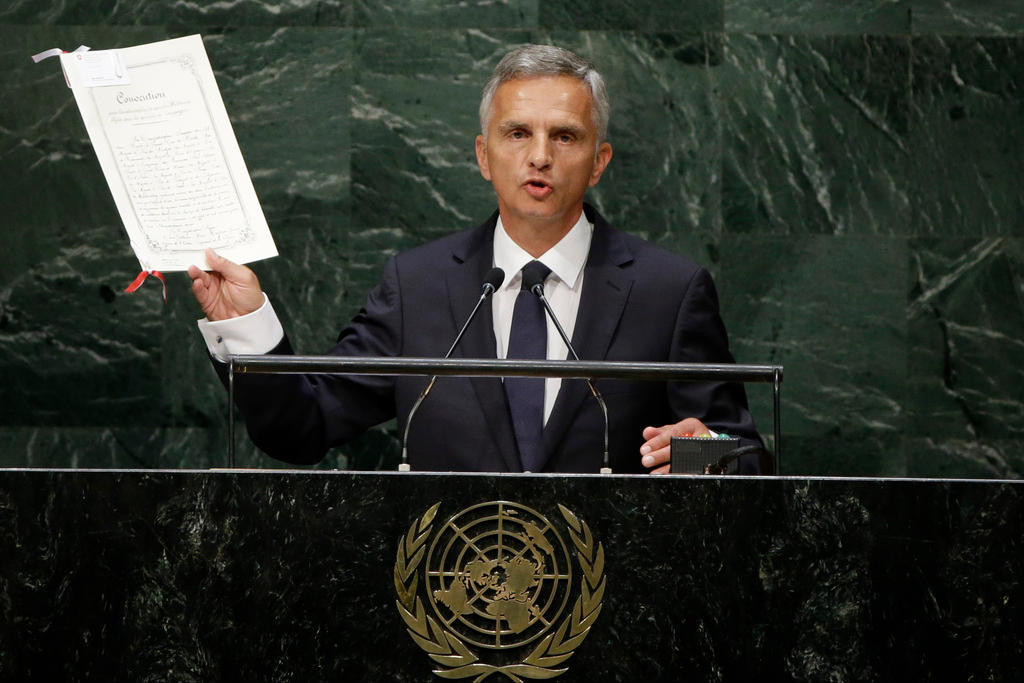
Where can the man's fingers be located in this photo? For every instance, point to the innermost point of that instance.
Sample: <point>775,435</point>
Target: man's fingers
<point>199,276</point>
<point>656,438</point>
<point>651,432</point>
<point>219,263</point>
<point>661,436</point>
<point>656,450</point>
<point>655,457</point>
<point>231,272</point>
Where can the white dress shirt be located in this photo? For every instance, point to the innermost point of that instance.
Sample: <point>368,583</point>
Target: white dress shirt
<point>562,290</point>
<point>260,331</point>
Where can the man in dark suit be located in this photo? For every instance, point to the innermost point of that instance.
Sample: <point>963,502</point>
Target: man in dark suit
<point>544,118</point>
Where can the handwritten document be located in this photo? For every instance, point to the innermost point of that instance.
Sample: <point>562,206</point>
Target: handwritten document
<point>169,154</point>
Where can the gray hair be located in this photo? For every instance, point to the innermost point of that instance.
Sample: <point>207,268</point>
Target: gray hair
<point>532,61</point>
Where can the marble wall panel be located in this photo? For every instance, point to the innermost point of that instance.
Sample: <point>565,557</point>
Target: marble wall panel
<point>204,445</point>
<point>966,326</point>
<point>632,15</point>
<point>70,336</point>
<point>287,91</point>
<point>446,14</point>
<point>792,148</point>
<point>967,130</point>
<point>815,134</point>
<point>414,119</point>
<point>968,17</point>
<point>829,309</point>
<point>844,452</point>
<point>965,457</point>
<point>120,447</point>
<point>72,350</point>
<point>44,146</point>
<point>235,13</point>
<point>822,17</point>
<point>664,180</point>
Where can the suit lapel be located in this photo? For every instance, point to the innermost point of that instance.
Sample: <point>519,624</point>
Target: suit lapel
<point>472,259</point>
<point>606,286</point>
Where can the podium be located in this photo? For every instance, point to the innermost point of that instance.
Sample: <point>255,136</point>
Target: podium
<point>288,575</point>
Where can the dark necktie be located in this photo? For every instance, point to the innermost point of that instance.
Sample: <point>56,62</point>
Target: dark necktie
<point>528,338</point>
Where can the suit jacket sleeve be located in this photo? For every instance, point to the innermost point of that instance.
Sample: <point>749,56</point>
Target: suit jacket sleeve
<point>296,418</point>
<point>700,337</point>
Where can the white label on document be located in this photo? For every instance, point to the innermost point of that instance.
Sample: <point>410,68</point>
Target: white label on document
<point>101,67</point>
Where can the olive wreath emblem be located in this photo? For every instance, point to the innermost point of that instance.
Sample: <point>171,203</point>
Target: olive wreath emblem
<point>455,659</point>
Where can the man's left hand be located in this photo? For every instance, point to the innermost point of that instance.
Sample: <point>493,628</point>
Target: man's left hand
<point>656,451</point>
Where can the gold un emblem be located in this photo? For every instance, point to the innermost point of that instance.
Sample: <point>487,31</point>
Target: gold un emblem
<point>498,579</point>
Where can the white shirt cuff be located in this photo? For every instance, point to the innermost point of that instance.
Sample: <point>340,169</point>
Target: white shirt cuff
<point>252,334</point>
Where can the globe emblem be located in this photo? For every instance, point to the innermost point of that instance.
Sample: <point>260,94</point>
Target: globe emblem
<point>498,574</point>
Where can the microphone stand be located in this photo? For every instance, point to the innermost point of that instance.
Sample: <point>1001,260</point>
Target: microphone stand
<point>494,280</point>
<point>538,291</point>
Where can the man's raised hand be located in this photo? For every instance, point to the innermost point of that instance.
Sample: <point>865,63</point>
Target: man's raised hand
<point>228,290</point>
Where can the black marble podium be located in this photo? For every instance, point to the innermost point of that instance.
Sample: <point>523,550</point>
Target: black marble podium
<point>271,575</point>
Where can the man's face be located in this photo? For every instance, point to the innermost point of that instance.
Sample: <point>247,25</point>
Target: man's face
<point>540,150</point>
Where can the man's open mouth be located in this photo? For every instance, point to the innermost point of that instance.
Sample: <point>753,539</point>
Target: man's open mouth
<point>538,188</point>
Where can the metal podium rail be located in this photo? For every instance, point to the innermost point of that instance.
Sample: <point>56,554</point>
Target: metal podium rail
<point>461,367</point>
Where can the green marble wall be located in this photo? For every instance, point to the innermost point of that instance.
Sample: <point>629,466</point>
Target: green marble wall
<point>851,175</point>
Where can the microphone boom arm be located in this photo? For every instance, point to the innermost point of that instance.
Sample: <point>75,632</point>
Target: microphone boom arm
<point>491,283</point>
<point>538,290</point>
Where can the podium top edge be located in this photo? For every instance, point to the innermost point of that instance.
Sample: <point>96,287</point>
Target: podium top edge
<point>495,475</point>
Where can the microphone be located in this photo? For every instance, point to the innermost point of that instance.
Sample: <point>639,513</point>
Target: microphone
<point>493,280</point>
<point>535,284</point>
